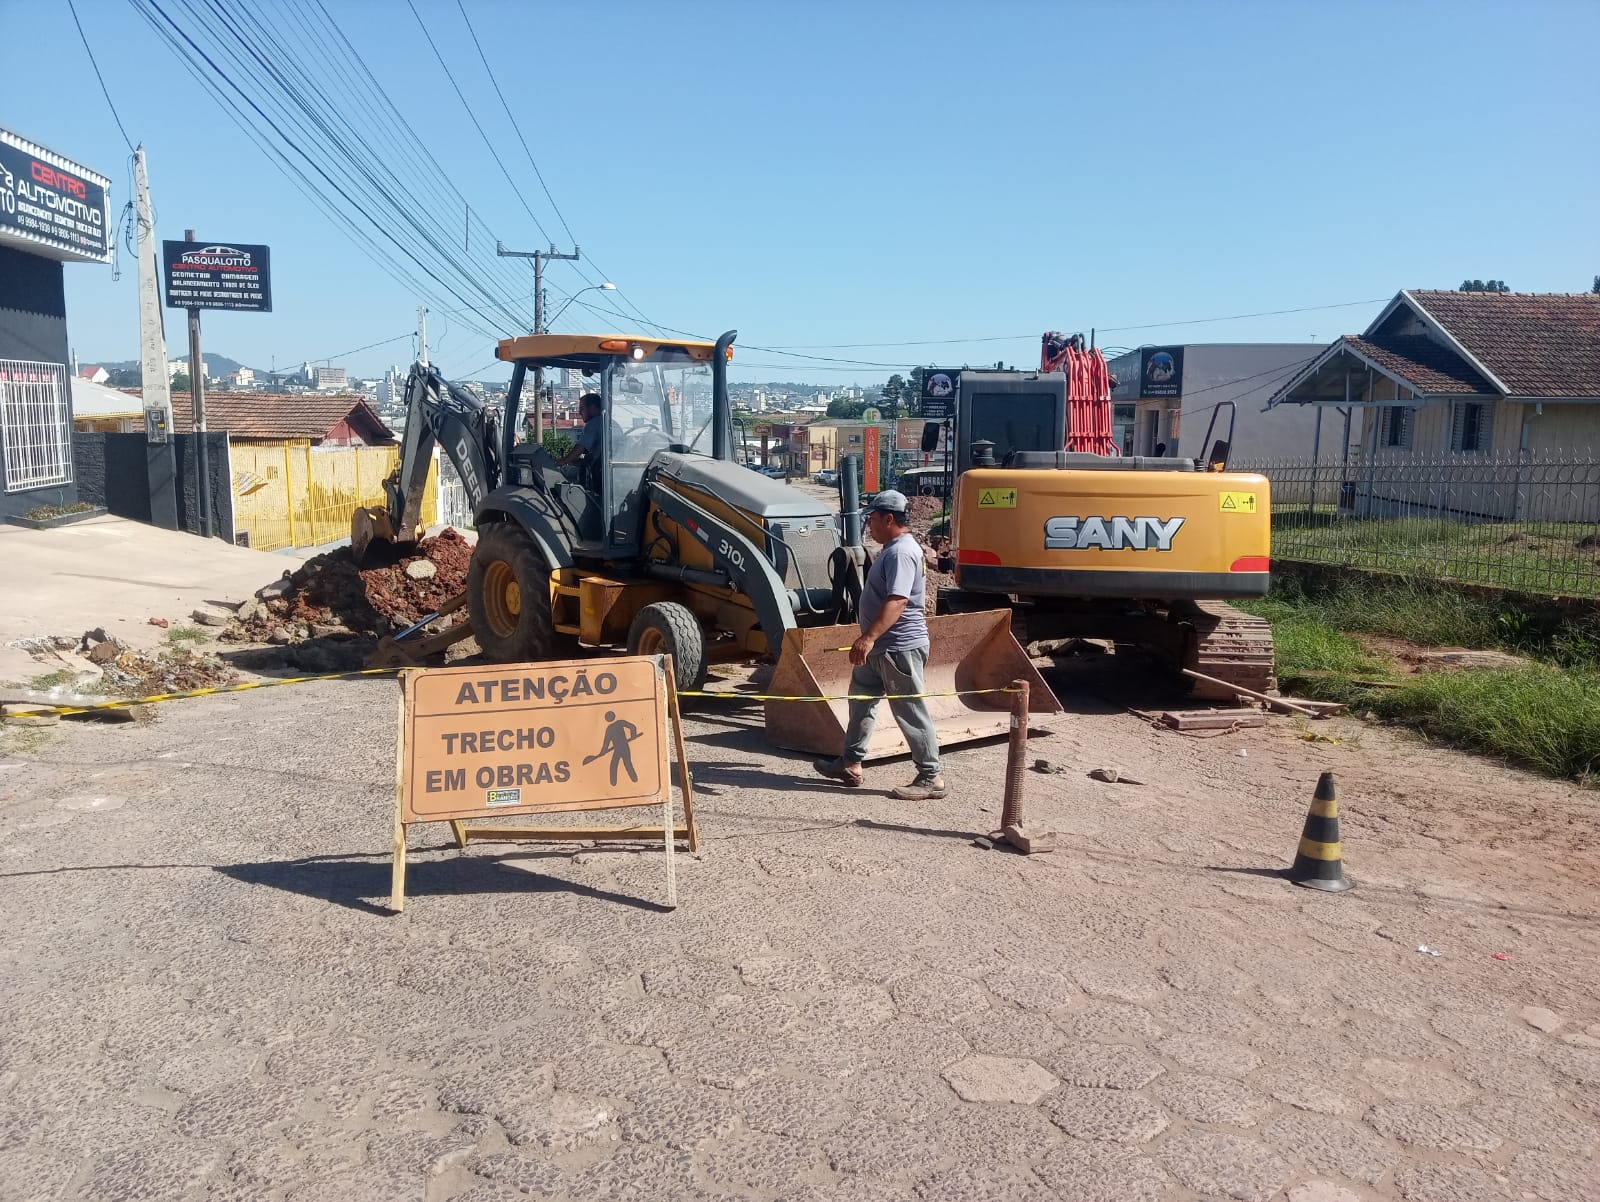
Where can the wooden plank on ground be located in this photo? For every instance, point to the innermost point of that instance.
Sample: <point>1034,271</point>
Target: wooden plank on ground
<point>1212,719</point>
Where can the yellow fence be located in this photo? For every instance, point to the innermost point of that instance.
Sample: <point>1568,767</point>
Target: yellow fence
<point>291,494</point>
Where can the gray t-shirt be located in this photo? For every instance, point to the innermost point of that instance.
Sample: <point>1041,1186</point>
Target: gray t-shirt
<point>591,434</point>
<point>897,572</point>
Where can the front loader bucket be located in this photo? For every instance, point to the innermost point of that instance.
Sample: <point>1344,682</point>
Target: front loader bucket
<point>969,651</point>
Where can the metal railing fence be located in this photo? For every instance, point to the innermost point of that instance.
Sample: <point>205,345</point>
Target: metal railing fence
<point>1522,521</point>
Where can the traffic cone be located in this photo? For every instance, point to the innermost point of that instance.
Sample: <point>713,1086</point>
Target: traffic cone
<point>1319,862</point>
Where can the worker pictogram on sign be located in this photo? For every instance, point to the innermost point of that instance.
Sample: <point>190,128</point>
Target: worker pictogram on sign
<point>1236,502</point>
<point>535,739</point>
<point>997,498</point>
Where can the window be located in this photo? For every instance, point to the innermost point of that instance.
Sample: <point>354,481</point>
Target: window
<point>1396,431</point>
<point>35,424</point>
<point>1469,427</point>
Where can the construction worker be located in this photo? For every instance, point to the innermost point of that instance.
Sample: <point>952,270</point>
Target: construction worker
<point>890,655</point>
<point>588,442</point>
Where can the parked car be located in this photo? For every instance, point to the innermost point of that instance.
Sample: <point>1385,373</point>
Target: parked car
<point>827,477</point>
<point>776,473</point>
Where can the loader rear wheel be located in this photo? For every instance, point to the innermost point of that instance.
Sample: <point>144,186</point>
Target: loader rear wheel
<point>667,628</point>
<point>508,597</point>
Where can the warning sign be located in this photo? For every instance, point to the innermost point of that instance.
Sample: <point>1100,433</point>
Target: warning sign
<point>1236,502</point>
<point>509,739</point>
<point>997,498</point>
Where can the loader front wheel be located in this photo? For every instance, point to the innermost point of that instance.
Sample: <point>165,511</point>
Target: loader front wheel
<point>667,628</point>
<point>508,598</point>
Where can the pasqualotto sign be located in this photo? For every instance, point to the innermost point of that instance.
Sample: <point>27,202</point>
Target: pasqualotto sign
<point>217,275</point>
<point>50,206</point>
<point>516,739</point>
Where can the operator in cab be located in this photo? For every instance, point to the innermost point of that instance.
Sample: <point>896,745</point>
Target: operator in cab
<point>891,655</point>
<point>591,438</point>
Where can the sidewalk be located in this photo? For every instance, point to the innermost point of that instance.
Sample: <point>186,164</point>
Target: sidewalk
<point>114,573</point>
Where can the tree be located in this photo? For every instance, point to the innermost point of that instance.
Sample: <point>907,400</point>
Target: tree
<point>1483,286</point>
<point>846,409</point>
<point>180,382</point>
<point>133,377</point>
<point>557,444</point>
<point>1596,287</point>
<point>894,395</point>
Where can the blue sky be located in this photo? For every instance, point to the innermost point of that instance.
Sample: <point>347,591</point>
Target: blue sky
<point>878,172</point>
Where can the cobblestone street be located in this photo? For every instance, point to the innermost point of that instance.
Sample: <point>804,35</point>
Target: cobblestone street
<point>206,999</point>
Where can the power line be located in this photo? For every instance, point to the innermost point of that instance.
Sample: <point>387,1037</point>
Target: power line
<point>1161,325</point>
<point>539,175</point>
<point>844,346</point>
<point>104,91</point>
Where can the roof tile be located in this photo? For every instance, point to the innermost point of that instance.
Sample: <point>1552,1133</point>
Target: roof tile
<point>280,415</point>
<point>1538,344</point>
<point>1431,366</point>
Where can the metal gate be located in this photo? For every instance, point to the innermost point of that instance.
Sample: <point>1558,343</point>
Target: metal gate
<point>35,424</point>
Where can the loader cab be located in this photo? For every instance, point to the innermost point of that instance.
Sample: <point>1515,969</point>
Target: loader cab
<point>657,396</point>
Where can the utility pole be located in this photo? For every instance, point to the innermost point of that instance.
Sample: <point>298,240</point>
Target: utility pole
<point>422,336</point>
<point>540,258</point>
<point>161,461</point>
<point>197,395</point>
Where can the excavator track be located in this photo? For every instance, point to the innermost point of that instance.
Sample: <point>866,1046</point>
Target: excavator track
<point>1230,646</point>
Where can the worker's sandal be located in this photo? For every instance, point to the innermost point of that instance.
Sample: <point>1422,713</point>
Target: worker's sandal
<point>924,788</point>
<point>847,774</point>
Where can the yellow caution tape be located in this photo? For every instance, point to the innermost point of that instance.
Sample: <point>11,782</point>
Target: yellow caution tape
<point>842,696</point>
<point>31,708</point>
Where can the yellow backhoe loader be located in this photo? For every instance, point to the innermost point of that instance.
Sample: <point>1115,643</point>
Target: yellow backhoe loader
<point>664,543</point>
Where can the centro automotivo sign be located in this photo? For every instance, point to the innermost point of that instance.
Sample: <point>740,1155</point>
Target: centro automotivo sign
<point>217,275</point>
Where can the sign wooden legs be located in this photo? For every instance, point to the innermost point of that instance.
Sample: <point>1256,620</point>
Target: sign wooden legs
<point>397,886</point>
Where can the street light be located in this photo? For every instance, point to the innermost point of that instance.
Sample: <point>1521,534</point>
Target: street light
<point>608,286</point>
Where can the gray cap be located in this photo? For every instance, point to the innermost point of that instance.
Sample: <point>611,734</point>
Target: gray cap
<point>889,501</point>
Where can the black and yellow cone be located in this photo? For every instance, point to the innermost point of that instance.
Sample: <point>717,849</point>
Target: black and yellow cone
<point>1319,863</point>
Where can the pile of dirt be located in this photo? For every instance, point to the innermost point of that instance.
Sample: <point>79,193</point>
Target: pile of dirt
<point>135,674</point>
<point>329,596</point>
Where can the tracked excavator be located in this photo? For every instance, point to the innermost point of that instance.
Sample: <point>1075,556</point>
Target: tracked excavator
<point>664,543</point>
<point>1082,542</point>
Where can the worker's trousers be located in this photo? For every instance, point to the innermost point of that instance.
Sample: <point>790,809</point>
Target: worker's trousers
<point>892,674</point>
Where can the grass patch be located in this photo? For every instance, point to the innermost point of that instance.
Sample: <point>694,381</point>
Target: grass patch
<point>1542,715</point>
<point>51,680</point>
<point>1432,613</point>
<point>1547,557</point>
<point>186,634</point>
<point>42,512</point>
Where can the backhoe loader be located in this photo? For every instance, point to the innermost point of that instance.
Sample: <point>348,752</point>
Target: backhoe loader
<point>664,543</point>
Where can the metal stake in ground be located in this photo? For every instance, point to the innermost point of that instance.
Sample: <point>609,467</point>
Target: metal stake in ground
<point>1013,832</point>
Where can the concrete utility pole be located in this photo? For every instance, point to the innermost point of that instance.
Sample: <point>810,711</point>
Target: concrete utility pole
<point>160,454</point>
<point>540,258</point>
<point>197,396</point>
<point>422,336</point>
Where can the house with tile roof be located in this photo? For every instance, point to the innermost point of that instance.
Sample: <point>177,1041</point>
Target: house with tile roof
<point>1468,373</point>
<point>1473,379</point>
<point>322,419</point>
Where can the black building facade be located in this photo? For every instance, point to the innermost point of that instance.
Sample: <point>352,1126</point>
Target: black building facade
<point>52,212</point>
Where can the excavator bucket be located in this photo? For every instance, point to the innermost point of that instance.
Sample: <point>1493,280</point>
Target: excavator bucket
<point>970,653</point>
<point>367,526</point>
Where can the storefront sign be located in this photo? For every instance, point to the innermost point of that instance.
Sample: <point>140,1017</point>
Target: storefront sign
<point>939,393</point>
<point>50,206</point>
<point>1161,371</point>
<point>871,469</point>
<point>217,275</point>
<point>507,739</point>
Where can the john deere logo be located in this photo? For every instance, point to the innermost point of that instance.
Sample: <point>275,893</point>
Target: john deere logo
<point>1111,534</point>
